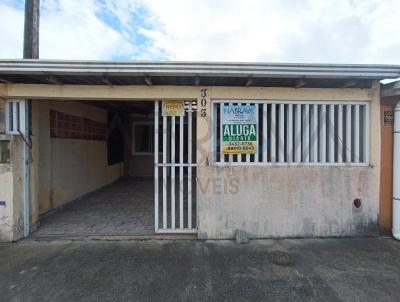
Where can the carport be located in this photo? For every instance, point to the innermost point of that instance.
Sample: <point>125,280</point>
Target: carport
<point>96,171</point>
<point>97,176</point>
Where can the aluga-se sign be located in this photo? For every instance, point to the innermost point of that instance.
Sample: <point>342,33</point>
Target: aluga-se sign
<point>239,129</point>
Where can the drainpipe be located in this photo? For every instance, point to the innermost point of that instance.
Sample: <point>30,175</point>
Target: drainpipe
<point>396,173</point>
<point>26,159</point>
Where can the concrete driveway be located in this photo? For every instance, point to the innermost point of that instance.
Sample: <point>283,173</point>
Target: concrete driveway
<point>265,270</point>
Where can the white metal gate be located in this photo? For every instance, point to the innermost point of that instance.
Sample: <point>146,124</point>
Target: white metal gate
<point>175,171</point>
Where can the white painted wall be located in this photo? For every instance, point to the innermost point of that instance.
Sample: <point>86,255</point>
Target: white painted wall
<point>287,201</point>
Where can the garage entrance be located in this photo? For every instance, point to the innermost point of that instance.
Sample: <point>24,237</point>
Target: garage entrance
<point>115,169</point>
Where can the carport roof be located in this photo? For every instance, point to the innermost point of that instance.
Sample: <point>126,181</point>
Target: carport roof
<point>391,89</point>
<point>193,73</point>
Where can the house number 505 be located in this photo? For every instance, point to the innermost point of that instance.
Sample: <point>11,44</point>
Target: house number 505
<point>203,103</point>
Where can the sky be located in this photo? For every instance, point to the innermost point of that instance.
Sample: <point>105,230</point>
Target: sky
<point>302,31</point>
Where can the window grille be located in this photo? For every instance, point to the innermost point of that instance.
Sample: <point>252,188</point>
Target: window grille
<point>15,117</point>
<point>293,133</point>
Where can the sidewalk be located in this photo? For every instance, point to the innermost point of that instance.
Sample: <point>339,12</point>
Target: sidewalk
<point>365,269</point>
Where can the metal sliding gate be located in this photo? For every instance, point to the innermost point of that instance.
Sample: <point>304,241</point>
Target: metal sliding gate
<point>175,171</point>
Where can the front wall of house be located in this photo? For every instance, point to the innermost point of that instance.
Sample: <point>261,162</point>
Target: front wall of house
<point>265,201</point>
<point>296,201</point>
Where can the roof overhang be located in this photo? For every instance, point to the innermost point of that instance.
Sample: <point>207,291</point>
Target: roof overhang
<point>391,89</point>
<point>193,73</point>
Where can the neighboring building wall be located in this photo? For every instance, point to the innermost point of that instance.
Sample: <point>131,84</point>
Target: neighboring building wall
<point>6,197</point>
<point>385,198</point>
<point>66,168</point>
<point>282,201</point>
<point>6,186</point>
<point>11,183</point>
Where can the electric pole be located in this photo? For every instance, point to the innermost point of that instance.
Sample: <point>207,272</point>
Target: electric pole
<point>31,29</point>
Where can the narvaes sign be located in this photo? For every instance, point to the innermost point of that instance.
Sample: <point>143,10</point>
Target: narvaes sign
<point>239,129</point>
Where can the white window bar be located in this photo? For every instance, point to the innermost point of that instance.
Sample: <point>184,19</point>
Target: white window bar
<point>165,133</point>
<point>331,124</point>
<point>314,134</point>
<point>322,144</point>
<point>15,117</point>
<point>230,156</point>
<point>247,155</point>
<point>265,134</point>
<point>366,134</point>
<point>340,134</point>
<point>273,133</point>
<point>173,172</point>
<point>8,117</point>
<point>282,133</point>
<point>297,134</point>
<point>256,155</point>
<point>357,134</point>
<point>190,168</point>
<point>181,121</point>
<point>156,135</point>
<point>289,129</point>
<point>221,135</point>
<point>349,128</point>
<point>239,157</point>
<point>306,133</point>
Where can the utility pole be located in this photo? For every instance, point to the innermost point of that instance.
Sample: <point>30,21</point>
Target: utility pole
<point>31,29</point>
<point>31,51</point>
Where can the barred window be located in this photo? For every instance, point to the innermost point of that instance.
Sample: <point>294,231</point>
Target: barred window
<point>313,133</point>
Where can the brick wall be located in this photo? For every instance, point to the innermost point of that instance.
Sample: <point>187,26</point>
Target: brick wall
<point>64,125</point>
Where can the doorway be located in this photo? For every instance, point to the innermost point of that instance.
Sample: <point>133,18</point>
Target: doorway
<point>175,170</point>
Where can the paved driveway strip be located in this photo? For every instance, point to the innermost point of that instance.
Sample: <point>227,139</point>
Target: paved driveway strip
<point>366,269</point>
